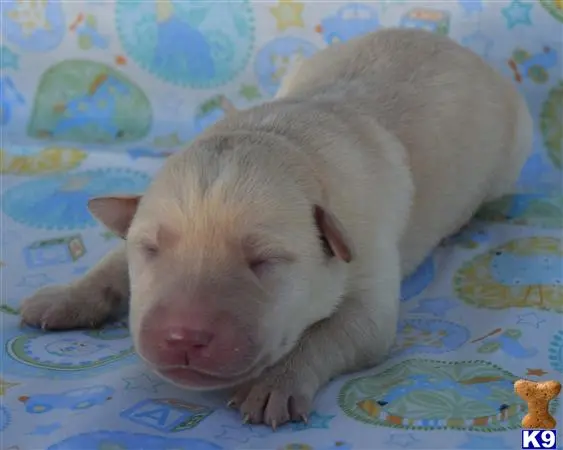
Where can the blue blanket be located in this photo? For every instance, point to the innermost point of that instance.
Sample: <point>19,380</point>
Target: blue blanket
<point>95,93</point>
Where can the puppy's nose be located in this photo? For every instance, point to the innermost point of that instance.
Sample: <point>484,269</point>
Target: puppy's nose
<point>189,339</point>
<point>204,340</point>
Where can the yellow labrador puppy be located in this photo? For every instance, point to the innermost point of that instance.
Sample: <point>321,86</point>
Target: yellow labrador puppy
<point>267,256</point>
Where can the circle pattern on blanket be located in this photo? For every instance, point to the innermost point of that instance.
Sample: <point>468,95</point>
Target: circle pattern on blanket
<point>70,354</point>
<point>419,280</point>
<point>88,102</point>
<point>5,418</point>
<point>432,336</point>
<point>30,161</point>
<point>555,8</point>
<point>61,202</point>
<point>535,210</point>
<point>193,43</point>
<point>551,124</point>
<point>33,26</point>
<point>276,58</point>
<point>430,395</point>
<point>556,351</point>
<point>523,273</point>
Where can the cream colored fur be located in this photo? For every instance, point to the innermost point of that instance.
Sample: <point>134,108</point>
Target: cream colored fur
<point>399,135</point>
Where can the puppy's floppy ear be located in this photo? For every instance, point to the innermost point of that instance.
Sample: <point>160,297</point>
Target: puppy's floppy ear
<point>115,212</point>
<point>332,234</point>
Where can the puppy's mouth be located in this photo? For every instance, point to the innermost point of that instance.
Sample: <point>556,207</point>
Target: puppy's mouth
<point>190,377</point>
<point>197,378</point>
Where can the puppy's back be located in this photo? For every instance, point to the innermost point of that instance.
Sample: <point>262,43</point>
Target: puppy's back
<point>463,125</point>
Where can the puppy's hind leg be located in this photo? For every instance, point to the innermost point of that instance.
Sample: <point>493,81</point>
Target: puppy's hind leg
<point>513,162</point>
<point>86,303</point>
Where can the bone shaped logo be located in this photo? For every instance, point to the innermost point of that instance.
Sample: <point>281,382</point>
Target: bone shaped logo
<point>538,395</point>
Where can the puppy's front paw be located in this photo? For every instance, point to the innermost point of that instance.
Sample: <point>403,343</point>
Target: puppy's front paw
<point>276,397</point>
<point>62,308</point>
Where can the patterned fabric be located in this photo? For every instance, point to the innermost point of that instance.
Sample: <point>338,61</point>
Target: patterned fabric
<point>94,92</point>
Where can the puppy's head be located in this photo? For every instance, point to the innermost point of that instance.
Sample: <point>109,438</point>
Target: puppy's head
<point>230,260</point>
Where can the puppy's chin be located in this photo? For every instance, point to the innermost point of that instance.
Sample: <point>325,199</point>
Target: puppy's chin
<point>198,379</point>
<point>191,379</point>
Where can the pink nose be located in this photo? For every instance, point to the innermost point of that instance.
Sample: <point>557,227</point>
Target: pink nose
<point>192,342</point>
<point>201,340</point>
<point>178,345</point>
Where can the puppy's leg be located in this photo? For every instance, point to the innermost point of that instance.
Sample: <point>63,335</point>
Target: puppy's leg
<point>359,335</point>
<point>521,150</point>
<point>88,302</point>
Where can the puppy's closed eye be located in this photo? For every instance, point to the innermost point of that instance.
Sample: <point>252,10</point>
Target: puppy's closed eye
<point>149,249</point>
<point>259,265</point>
<point>262,265</point>
<point>262,256</point>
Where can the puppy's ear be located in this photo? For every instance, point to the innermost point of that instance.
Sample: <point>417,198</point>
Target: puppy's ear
<point>332,234</point>
<point>115,212</point>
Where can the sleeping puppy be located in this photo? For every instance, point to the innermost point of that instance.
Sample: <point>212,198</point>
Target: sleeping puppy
<point>268,255</point>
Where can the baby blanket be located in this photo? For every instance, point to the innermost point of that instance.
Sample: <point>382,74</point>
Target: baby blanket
<point>93,95</point>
